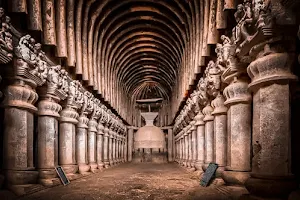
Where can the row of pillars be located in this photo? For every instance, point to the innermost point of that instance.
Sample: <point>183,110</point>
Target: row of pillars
<point>61,137</point>
<point>247,135</point>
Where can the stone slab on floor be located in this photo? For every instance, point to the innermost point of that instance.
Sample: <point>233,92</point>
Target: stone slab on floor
<point>134,182</point>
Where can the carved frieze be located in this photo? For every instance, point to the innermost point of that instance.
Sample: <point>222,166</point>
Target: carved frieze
<point>6,42</point>
<point>30,62</point>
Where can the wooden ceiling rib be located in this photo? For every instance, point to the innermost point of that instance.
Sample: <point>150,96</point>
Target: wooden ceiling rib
<point>124,50</point>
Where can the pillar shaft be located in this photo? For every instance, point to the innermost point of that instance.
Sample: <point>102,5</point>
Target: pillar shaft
<point>220,131</point>
<point>170,146</point>
<point>194,146</point>
<point>190,153</point>
<point>106,142</point>
<point>100,146</point>
<point>110,148</point>
<point>209,135</point>
<point>130,144</point>
<point>91,145</point>
<point>200,141</point>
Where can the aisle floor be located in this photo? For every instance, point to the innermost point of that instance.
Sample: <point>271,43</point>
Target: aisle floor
<point>138,182</point>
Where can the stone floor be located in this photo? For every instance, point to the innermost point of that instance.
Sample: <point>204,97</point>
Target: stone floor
<point>138,181</point>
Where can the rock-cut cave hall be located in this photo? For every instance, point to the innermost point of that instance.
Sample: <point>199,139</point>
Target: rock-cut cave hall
<point>137,99</point>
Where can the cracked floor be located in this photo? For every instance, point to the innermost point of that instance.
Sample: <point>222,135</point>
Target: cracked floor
<point>137,181</point>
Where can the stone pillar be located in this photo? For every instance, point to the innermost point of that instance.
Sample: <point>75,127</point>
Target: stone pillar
<point>209,135</point>
<point>182,156</point>
<point>100,146</point>
<point>106,142</point>
<point>125,148</point>
<point>81,144</point>
<point>170,145</point>
<point>185,151</point>
<point>110,148</point>
<point>194,144</point>
<point>117,148</point>
<point>122,149</point>
<point>67,133</point>
<point>130,144</point>
<point>190,153</point>
<point>270,77</point>
<point>220,133</point>
<point>238,101</point>
<point>18,134</point>
<point>200,141</point>
<point>47,154</point>
<point>91,145</point>
<point>114,145</point>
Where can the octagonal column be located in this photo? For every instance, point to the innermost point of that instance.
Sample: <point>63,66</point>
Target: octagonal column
<point>130,144</point>
<point>125,148</point>
<point>200,141</point>
<point>110,148</point>
<point>117,149</point>
<point>170,145</point>
<point>114,145</point>
<point>238,101</point>
<point>194,144</point>
<point>19,107</point>
<point>220,133</point>
<point>182,156</point>
<point>209,135</point>
<point>67,138</point>
<point>106,141</point>
<point>185,149</point>
<point>100,146</point>
<point>270,83</point>
<point>47,155</point>
<point>81,144</point>
<point>91,145</point>
<point>190,153</point>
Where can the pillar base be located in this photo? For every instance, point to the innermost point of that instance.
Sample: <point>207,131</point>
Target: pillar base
<point>50,182</point>
<point>70,169</point>
<point>94,167</point>
<point>106,164</point>
<point>198,166</point>
<point>265,186</point>
<point>48,177</point>
<point>83,168</point>
<point>15,177</point>
<point>111,163</point>
<point>204,166</point>
<point>235,177</point>
<point>21,190</point>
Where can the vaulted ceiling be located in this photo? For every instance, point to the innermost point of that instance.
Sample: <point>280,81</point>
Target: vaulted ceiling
<point>124,50</point>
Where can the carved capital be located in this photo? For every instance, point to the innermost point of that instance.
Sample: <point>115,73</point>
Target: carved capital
<point>20,96</point>
<point>83,121</point>
<point>100,128</point>
<point>92,124</point>
<point>272,68</point>
<point>30,62</point>
<point>199,119</point>
<point>6,46</point>
<point>49,107</point>
<point>69,114</point>
<point>237,92</point>
<point>218,105</point>
<point>207,111</point>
